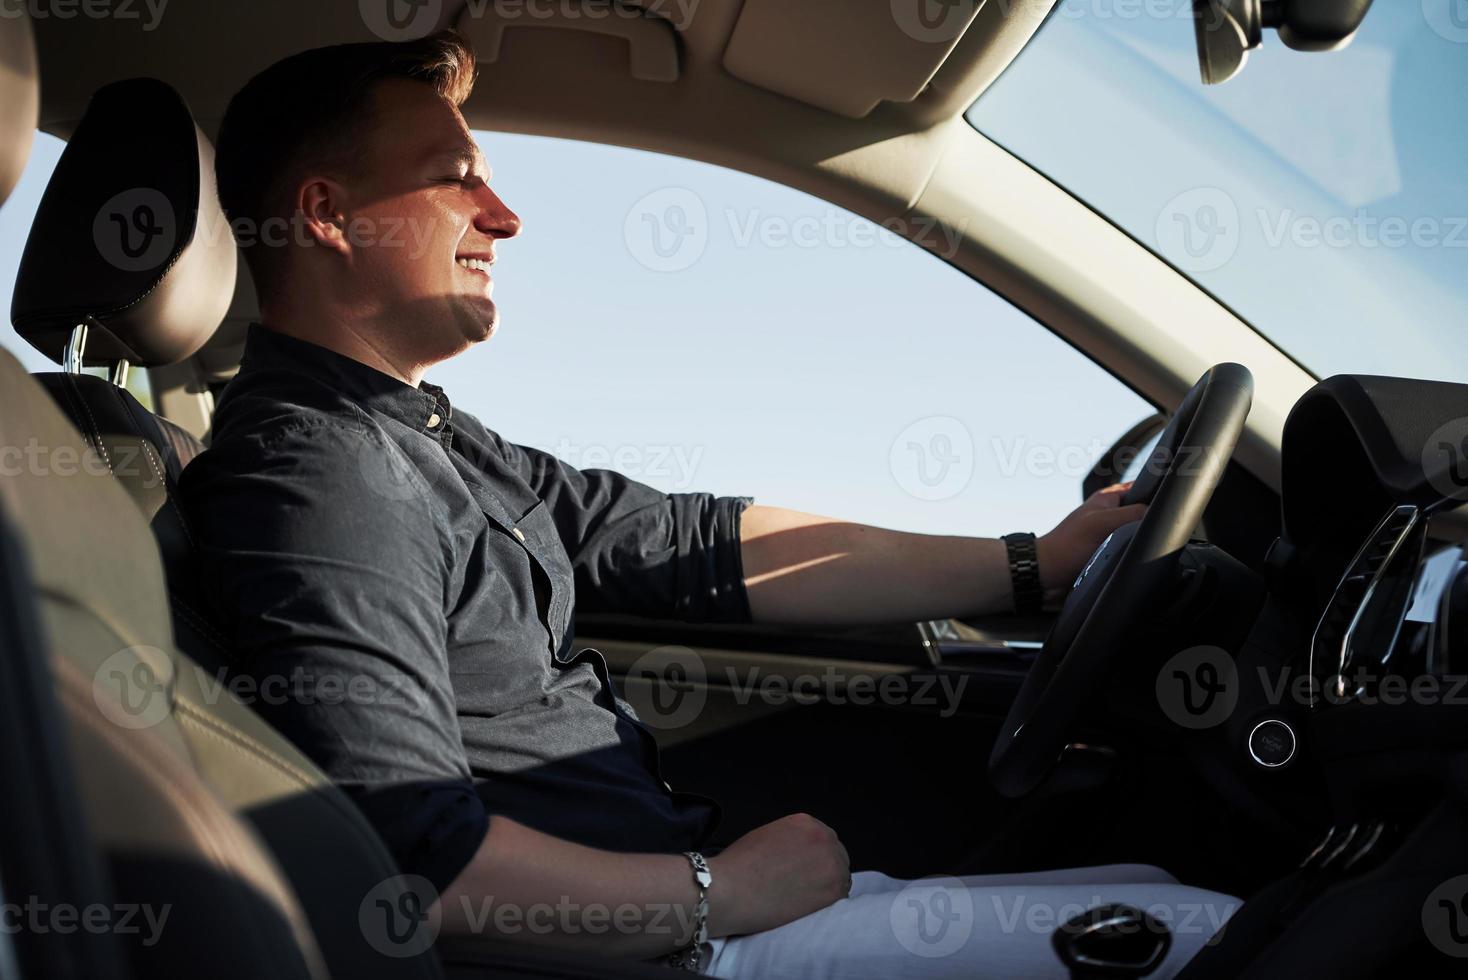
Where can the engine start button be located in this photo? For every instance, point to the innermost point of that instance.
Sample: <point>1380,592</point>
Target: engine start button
<point>1272,743</point>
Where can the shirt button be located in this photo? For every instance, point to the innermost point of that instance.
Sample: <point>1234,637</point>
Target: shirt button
<point>433,420</point>
<point>518,534</point>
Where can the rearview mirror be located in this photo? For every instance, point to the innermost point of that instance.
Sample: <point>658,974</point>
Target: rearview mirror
<point>1228,30</point>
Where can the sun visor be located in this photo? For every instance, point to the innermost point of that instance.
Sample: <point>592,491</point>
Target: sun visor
<point>846,56</point>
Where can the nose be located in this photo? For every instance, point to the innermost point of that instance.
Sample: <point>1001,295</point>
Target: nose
<point>494,218</point>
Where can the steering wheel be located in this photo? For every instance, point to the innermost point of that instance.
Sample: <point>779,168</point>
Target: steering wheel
<point>1120,583</point>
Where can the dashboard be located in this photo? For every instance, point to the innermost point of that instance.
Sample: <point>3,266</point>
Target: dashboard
<point>1368,463</point>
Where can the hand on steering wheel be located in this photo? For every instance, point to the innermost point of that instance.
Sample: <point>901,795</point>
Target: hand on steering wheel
<point>1117,587</point>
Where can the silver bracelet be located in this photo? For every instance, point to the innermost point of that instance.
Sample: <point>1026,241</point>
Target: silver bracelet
<point>690,957</point>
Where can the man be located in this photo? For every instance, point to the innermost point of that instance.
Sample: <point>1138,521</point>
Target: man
<point>359,534</point>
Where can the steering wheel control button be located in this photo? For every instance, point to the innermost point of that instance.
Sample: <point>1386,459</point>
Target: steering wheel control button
<point>1198,688</point>
<point>1272,743</point>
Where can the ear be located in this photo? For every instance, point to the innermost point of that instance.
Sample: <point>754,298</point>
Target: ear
<point>320,202</point>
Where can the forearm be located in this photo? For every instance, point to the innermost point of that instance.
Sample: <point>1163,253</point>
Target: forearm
<point>524,885</point>
<point>801,568</point>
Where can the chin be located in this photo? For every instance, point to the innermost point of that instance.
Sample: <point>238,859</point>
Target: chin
<point>478,321</point>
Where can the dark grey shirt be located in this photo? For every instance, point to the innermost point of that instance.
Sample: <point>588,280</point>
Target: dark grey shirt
<point>400,585</point>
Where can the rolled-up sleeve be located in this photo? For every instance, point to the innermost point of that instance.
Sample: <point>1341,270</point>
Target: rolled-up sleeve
<point>331,580</point>
<point>638,550</point>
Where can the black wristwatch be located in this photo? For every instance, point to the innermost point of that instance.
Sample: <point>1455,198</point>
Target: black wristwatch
<point>1024,573</point>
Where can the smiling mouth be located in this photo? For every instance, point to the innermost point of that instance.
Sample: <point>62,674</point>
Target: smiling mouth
<point>473,265</point>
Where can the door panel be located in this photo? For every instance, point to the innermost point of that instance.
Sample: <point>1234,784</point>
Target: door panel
<point>890,753</point>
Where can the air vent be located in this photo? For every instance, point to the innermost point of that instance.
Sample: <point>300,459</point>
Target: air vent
<point>1360,623</point>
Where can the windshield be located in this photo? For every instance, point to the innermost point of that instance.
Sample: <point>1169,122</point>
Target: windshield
<point>1323,197</point>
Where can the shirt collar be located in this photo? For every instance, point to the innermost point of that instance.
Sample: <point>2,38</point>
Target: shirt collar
<point>425,408</point>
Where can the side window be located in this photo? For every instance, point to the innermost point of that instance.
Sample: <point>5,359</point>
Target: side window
<point>701,329</point>
<point>16,216</point>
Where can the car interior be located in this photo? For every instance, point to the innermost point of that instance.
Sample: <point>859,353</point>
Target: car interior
<point>1293,522</point>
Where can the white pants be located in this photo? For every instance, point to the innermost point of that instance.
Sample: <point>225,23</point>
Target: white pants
<point>985,926</point>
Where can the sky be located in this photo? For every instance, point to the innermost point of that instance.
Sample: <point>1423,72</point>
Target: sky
<point>785,350</point>
<point>1322,196</point>
<point>701,329</point>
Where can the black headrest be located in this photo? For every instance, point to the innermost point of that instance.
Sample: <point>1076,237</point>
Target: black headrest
<point>20,97</point>
<point>129,237</point>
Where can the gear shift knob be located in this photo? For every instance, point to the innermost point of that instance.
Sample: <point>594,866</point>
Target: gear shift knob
<point>1112,941</point>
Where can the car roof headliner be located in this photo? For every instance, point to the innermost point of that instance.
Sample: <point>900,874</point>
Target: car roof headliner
<point>577,84</point>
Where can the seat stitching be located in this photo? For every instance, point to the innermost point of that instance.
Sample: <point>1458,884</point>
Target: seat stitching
<point>200,623</point>
<point>229,849</point>
<point>237,739</point>
<point>94,435</point>
<point>151,452</point>
<point>219,730</point>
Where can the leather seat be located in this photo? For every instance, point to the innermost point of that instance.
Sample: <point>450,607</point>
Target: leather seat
<point>196,802</point>
<point>197,805</point>
<point>130,248</point>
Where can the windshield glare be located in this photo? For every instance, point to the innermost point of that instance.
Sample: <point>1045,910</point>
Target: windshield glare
<point>1323,197</point>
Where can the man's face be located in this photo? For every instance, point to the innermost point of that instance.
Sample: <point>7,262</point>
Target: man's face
<point>422,224</point>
